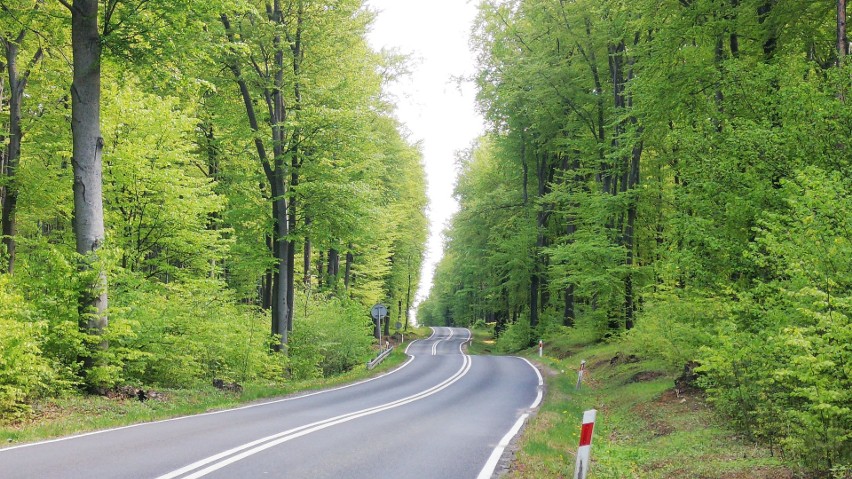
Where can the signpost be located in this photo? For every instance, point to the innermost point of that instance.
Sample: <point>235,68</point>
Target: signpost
<point>379,312</point>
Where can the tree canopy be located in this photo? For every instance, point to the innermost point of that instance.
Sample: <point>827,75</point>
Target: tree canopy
<point>676,173</point>
<point>258,194</point>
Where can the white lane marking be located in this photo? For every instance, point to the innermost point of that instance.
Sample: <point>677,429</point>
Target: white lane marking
<point>540,384</point>
<point>488,470</point>
<point>262,444</point>
<point>491,464</point>
<point>211,413</point>
<point>435,345</point>
<point>469,337</point>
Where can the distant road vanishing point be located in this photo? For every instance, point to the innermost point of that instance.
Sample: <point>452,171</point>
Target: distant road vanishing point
<point>443,414</point>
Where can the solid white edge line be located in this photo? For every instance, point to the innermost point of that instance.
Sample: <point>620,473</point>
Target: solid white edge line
<point>540,395</point>
<point>211,413</point>
<point>280,438</point>
<point>491,464</point>
<point>488,470</point>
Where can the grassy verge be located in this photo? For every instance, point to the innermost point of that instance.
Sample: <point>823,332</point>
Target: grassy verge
<point>79,414</point>
<point>644,429</point>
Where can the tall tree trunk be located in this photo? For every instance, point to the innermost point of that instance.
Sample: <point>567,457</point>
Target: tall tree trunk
<point>525,167</point>
<point>12,154</point>
<point>282,308</point>
<point>86,159</point>
<point>408,296</point>
<point>266,290</point>
<point>770,43</point>
<point>3,151</point>
<point>295,150</point>
<point>275,175</point>
<point>734,40</point>
<point>544,172</point>
<point>632,181</point>
<point>842,39</point>
<point>387,325</point>
<point>12,151</point>
<point>572,166</point>
<point>568,312</point>
<point>347,272</point>
<point>306,256</point>
<point>333,267</point>
<point>321,269</point>
<point>629,239</point>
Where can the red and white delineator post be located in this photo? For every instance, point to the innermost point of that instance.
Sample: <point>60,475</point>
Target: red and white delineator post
<point>540,347</point>
<point>580,373</point>
<point>585,449</point>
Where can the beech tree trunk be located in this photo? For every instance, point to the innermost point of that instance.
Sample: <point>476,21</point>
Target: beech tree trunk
<point>306,256</point>
<point>13,150</point>
<point>842,39</point>
<point>10,158</point>
<point>347,273</point>
<point>408,296</point>
<point>296,138</point>
<point>275,175</point>
<point>333,267</point>
<point>88,218</point>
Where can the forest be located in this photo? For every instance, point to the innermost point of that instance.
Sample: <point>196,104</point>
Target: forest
<point>197,190</point>
<point>675,175</point>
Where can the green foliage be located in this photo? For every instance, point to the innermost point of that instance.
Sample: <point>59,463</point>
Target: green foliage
<point>673,329</point>
<point>187,201</point>
<point>683,177</point>
<point>516,337</point>
<point>184,334</point>
<point>334,336</point>
<point>25,374</point>
<point>790,384</point>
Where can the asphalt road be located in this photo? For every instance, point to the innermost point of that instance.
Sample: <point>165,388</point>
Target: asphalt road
<point>442,414</point>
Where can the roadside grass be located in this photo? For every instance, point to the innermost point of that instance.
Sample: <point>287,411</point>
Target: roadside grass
<point>482,341</point>
<point>76,414</point>
<point>644,429</point>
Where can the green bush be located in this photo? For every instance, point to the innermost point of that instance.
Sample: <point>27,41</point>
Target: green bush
<point>179,335</point>
<point>673,328</point>
<point>330,336</point>
<point>789,381</point>
<point>515,337</point>
<point>24,372</point>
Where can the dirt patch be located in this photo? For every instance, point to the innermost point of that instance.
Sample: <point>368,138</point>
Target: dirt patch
<point>597,364</point>
<point>755,473</point>
<point>563,353</point>
<point>645,376</point>
<point>761,473</point>
<point>621,358</point>
<point>692,400</point>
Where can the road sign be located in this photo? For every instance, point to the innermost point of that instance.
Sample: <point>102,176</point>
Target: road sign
<point>398,325</point>
<point>379,311</point>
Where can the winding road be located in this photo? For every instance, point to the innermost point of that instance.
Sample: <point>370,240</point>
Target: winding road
<point>442,414</point>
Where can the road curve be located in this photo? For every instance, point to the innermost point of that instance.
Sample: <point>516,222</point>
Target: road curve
<point>443,414</point>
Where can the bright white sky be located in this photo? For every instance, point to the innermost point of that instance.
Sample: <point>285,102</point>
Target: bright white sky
<point>429,102</point>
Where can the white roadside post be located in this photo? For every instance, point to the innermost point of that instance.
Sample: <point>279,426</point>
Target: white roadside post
<point>585,449</point>
<point>580,373</point>
<point>540,347</point>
